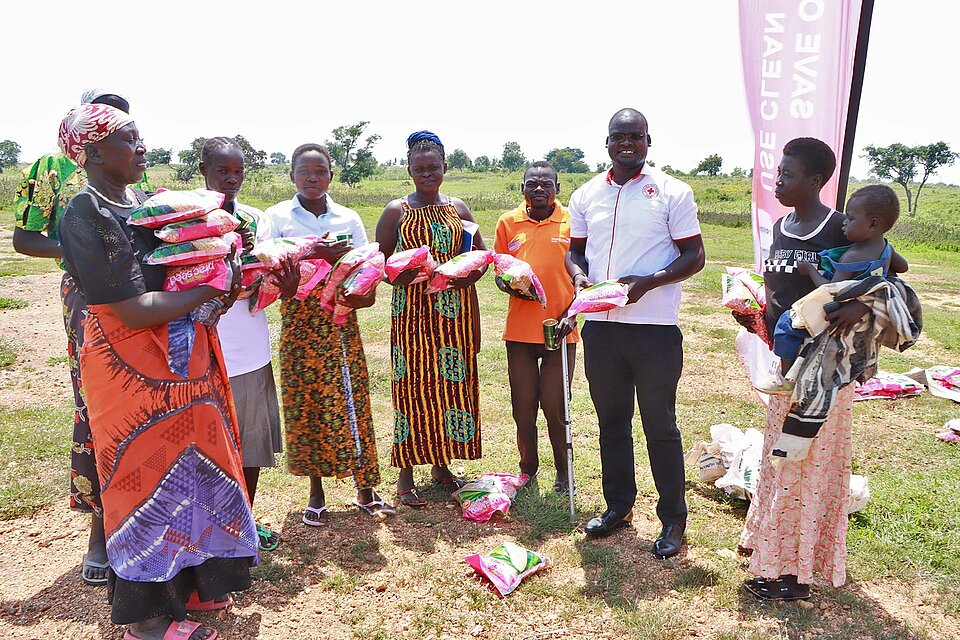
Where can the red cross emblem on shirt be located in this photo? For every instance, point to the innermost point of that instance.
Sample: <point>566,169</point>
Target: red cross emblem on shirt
<point>650,191</point>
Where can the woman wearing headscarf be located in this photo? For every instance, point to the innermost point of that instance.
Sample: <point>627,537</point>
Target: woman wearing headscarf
<point>41,198</point>
<point>176,516</point>
<point>434,338</point>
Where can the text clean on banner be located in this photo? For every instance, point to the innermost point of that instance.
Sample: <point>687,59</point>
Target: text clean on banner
<point>797,71</point>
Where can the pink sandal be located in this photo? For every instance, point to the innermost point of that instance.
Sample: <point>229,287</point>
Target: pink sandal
<point>177,631</point>
<point>194,603</point>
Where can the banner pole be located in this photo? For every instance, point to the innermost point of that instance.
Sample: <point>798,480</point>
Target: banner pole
<point>853,106</point>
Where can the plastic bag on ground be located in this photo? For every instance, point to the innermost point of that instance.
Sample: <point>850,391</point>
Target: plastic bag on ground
<point>602,296</point>
<point>345,266</point>
<point>418,258</point>
<point>952,433</point>
<point>944,382</point>
<point>488,495</point>
<point>507,566</point>
<point>859,494</point>
<point>885,385</point>
<point>459,266</point>
<point>746,449</point>
<point>519,276</point>
<point>216,223</point>
<point>215,273</point>
<point>193,251</point>
<point>167,207</point>
<point>744,294</point>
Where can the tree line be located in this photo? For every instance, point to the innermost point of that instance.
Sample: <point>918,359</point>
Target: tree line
<point>352,154</point>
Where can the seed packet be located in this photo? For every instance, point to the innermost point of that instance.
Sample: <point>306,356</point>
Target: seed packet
<point>193,251</point>
<point>273,251</point>
<point>215,273</point>
<point>519,276</point>
<point>602,296</point>
<point>490,494</point>
<point>744,294</point>
<point>459,266</point>
<point>168,207</point>
<point>216,223</point>
<point>345,266</point>
<point>507,566</point>
<point>418,258</point>
<point>361,282</point>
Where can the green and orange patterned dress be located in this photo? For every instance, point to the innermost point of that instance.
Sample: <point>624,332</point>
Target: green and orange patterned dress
<point>434,340</point>
<point>326,399</point>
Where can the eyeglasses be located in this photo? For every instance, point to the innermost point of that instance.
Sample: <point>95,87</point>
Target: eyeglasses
<point>531,185</point>
<point>620,137</point>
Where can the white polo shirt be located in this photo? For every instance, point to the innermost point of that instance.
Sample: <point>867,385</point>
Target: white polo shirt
<point>290,219</point>
<point>245,338</point>
<point>631,231</point>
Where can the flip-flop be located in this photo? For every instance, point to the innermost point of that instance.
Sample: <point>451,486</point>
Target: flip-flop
<point>194,603</point>
<point>267,539</point>
<point>415,500</point>
<point>93,565</point>
<point>177,631</point>
<point>318,519</point>
<point>378,508</point>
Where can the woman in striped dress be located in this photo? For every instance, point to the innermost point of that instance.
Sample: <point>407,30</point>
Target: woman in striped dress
<point>434,338</point>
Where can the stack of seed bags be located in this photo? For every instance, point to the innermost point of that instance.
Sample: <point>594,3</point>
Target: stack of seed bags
<point>358,272</point>
<point>259,270</point>
<point>197,234</point>
<point>457,267</point>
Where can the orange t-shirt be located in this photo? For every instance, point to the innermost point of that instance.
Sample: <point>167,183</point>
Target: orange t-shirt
<point>543,245</point>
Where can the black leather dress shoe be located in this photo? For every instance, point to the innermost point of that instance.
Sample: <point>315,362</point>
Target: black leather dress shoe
<point>607,522</point>
<point>668,544</point>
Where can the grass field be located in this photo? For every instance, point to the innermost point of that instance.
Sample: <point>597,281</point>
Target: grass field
<point>904,556</point>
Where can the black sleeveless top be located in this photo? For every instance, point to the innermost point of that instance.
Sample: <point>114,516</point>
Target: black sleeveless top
<point>783,282</point>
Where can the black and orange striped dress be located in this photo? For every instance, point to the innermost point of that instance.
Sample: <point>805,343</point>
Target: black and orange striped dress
<point>434,340</point>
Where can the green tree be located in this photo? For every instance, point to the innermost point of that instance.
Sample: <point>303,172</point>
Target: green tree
<point>482,164</point>
<point>159,156</point>
<point>896,163</point>
<point>931,157</point>
<point>354,162</point>
<point>278,158</point>
<point>710,165</point>
<point>9,154</point>
<point>738,172</point>
<point>253,159</point>
<point>568,160</point>
<point>459,160</point>
<point>602,166</point>
<point>512,158</point>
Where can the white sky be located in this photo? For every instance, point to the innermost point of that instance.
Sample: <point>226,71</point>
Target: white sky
<point>546,74</point>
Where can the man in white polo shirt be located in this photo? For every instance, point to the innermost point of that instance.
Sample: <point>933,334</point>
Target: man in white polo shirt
<point>637,225</point>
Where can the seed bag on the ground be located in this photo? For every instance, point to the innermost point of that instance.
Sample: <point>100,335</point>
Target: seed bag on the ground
<point>418,258</point>
<point>459,266</point>
<point>361,282</point>
<point>167,207</point>
<point>744,294</point>
<point>194,251</point>
<point>490,494</point>
<point>507,566</point>
<point>602,296</point>
<point>273,251</point>
<point>345,266</point>
<point>215,273</point>
<point>519,276</point>
<point>216,223</point>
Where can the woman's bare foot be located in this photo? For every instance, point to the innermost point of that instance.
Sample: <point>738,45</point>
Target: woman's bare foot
<point>95,563</point>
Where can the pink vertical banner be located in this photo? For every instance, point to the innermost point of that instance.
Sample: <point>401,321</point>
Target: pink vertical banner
<point>797,70</point>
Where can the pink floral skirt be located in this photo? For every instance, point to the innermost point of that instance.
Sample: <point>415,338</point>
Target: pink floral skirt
<point>797,522</point>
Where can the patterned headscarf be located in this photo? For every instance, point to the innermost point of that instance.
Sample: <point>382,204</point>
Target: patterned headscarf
<point>92,94</point>
<point>86,124</point>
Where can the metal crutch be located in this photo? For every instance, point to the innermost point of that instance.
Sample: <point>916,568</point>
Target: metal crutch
<point>566,423</point>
